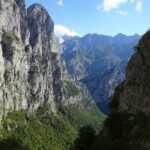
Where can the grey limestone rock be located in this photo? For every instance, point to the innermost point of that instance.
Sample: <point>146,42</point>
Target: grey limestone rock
<point>32,71</point>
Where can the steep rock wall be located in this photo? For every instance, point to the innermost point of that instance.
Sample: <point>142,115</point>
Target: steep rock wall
<point>129,122</point>
<point>31,70</point>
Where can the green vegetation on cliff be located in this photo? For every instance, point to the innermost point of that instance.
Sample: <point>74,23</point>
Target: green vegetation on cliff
<point>44,131</point>
<point>72,90</point>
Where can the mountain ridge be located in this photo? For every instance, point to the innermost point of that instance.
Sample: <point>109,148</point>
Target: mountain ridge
<point>99,62</point>
<point>130,105</point>
<point>127,127</point>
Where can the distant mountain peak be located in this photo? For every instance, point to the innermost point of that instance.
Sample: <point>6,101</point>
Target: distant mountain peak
<point>99,62</point>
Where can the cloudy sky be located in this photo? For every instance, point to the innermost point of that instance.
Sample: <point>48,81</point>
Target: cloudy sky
<point>109,17</point>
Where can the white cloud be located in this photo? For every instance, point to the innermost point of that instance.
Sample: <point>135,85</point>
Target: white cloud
<point>139,7</point>
<point>123,13</point>
<point>108,5</point>
<point>60,2</point>
<point>61,31</point>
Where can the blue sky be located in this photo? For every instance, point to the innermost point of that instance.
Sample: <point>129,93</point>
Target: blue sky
<point>107,17</point>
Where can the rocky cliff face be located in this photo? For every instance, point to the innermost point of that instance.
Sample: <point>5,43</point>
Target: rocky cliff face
<point>136,88</point>
<point>31,70</point>
<point>129,120</point>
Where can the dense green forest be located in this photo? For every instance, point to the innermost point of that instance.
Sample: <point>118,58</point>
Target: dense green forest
<point>42,131</point>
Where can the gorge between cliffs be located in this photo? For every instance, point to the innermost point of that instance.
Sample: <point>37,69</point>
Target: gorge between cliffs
<point>70,96</point>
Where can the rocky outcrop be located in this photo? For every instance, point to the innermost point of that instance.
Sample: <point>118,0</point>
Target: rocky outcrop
<point>31,70</point>
<point>129,122</point>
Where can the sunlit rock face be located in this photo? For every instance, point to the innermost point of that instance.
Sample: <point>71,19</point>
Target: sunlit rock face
<point>14,64</point>
<point>31,70</point>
